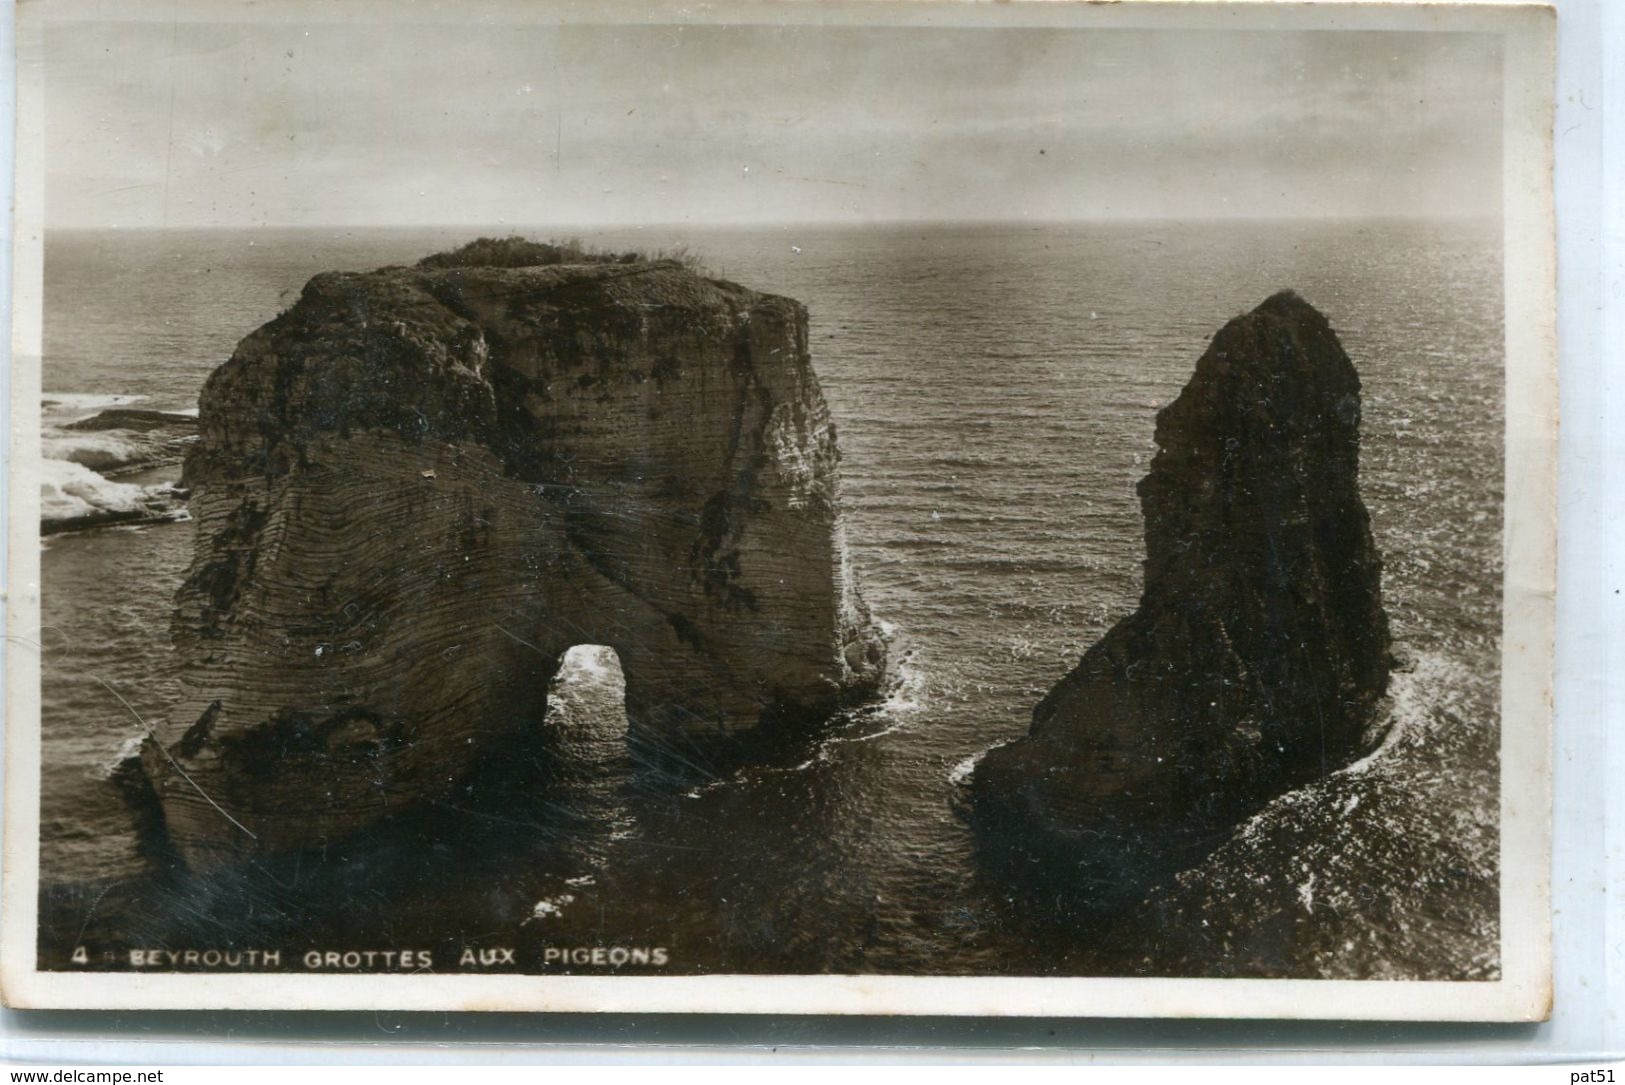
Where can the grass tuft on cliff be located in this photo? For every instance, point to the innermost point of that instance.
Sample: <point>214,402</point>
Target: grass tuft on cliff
<point>518,251</point>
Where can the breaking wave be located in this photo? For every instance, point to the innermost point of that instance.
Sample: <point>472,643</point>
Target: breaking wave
<point>105,461</point>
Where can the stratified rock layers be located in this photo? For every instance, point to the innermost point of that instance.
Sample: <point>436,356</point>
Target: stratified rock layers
<point>416,489</point>
<point>1260,648</point>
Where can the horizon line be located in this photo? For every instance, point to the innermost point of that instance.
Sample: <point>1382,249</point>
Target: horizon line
<point>758,224</point>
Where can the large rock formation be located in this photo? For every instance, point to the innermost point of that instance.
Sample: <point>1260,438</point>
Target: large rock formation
<point>1260,647</point>
<point>417,488</point>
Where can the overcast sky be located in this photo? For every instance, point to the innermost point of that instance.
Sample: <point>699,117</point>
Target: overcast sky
<point>227,125</point>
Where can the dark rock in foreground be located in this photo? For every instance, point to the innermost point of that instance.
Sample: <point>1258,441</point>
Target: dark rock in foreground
<point>416,489</point>
<point>1260,649</point>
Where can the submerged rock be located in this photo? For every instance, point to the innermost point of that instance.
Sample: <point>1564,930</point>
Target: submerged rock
<point>419,487</point>
<point>1260,649</point>
<point>136,420</point>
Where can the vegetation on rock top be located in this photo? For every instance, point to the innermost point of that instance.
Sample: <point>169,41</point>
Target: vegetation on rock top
<point>515,251</point>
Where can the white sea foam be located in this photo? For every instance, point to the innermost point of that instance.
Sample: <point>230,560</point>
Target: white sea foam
<point>1430,686</point>
<point>71,491</point>
<point>961,773</point>
<point>129,748</point>
<point>907,693</point>
<point>77,465</point>
<point>549,907</point>
<point>103,450</point>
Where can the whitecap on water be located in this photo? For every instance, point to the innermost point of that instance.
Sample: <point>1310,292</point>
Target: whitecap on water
<point>79,469</point>
<point>71,494</point>
<point>551,906</point>
<point>106,450</point>
<point>70,491</point>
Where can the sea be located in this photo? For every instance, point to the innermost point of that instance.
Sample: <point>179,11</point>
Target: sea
<point>995,388</point>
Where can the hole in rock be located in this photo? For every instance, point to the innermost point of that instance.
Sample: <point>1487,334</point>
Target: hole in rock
<point>586,702</point>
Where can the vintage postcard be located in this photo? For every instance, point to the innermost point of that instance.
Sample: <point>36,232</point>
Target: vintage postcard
<point>840,508</point>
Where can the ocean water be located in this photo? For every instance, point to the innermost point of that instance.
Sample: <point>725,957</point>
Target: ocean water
<point>995,389</point>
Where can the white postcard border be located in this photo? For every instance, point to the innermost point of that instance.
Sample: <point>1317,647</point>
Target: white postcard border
<point>1529,540</point>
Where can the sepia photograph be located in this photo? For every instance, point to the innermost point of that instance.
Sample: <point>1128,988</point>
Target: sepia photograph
<point>839,508</point>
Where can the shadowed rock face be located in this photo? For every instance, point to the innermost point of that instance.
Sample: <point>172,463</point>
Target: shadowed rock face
<point>416,489</point>
<point>1260,648</point>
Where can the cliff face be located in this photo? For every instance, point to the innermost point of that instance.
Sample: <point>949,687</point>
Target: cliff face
<point>417,488</point>
<point>1260,647</point>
